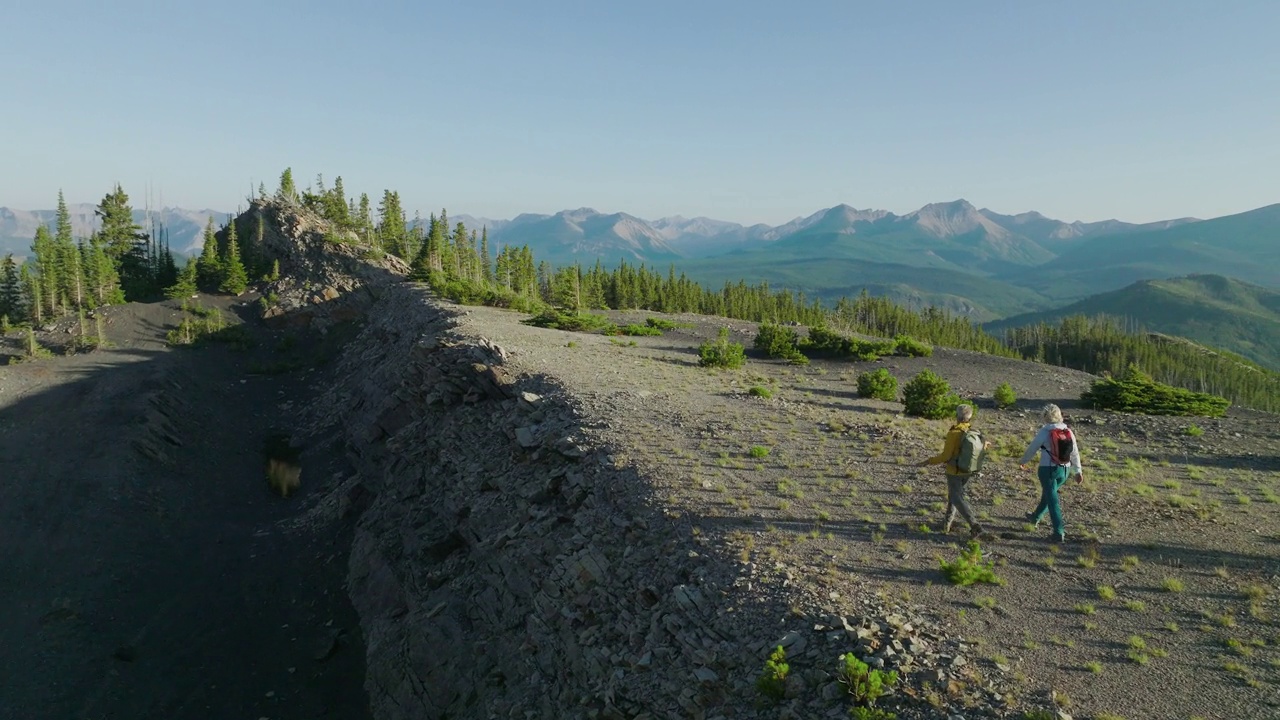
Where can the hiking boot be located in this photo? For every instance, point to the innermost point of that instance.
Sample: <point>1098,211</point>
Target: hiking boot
<point>1032,520</point>
<point>1059,537</point>
<point>975,530</point>
<point>946,529</point>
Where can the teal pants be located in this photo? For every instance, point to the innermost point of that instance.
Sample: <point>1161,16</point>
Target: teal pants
<point>1051,479</point>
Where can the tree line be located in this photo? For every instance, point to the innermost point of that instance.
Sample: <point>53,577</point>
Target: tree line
<point>121,262</point>
<point>1100,345</point>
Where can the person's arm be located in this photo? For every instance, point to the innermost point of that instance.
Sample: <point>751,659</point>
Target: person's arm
<point>949,449</point>
<point>1037,443</point>
<point>1075,458</point>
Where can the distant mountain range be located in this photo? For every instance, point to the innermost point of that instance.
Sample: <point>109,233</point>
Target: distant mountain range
<point>953,234</point>
<point>184,228</point>
<point>978,262</point>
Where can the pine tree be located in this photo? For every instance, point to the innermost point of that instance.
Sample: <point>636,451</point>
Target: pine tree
<point>47,268</point>
<point>336,205</point>
<point>365,218</point>
<point>486,260</point>
<point>10,291</point>
<point>31,291</point>
<point>71,278</point>
<point>209,266</point>
<point>103,280</point>
<point>288,191</point>
<point>391,225</point>
<point>127,246</point>
<point>234,277</point>
<point>185,286</point>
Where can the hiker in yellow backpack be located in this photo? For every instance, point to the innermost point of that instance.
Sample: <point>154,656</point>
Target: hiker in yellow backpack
<point>962,454</point>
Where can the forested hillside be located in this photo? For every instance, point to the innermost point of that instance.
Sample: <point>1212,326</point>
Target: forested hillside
<point>1210,309</point>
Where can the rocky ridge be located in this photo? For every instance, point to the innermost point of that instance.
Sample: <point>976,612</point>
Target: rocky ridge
<point>508,563</point>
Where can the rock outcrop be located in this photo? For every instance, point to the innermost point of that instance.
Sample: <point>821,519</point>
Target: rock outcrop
<point>325,277</point>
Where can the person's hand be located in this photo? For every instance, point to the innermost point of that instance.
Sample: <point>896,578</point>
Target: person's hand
<point>1024,467</point>
<point>986,445</point>
<point>1080,477</point>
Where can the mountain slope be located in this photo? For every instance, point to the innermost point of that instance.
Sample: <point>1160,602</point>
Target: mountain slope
<point>828,279</point>
<point>1211,309</point>
<point>1245,246</point>
<point>1057,235</point>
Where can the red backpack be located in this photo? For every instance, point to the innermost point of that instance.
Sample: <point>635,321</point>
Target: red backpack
<point>1060,446</point>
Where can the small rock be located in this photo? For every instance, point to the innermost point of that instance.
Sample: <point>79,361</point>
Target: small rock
<point>706,675</point>
<point>793,642</point>
<point>525,437</point>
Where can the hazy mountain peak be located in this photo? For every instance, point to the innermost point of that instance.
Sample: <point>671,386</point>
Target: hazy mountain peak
<point>958,217</point>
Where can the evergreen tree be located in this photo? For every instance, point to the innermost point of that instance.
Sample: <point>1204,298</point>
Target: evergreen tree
<point>288,191</point>
<point>32,292</point>
<point>127,246</point>
<point>336,210</point>
<point>47,269</point>
<point>391,225</point>
<point>209,266</point>
<point>234,277</point>
<point>185,286</point>
<point>486,260</point>
<point>70,281</point>
<point>10,291</point>
<point>365,218</point>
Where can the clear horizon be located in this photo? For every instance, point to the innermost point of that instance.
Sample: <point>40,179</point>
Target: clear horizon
<point>745,112</point>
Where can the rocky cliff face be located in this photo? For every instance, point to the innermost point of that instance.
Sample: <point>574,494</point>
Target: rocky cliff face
<point>502,568</point>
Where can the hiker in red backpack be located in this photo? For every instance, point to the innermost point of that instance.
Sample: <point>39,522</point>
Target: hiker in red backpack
<point>1059,458</point>
<point>962,454</point>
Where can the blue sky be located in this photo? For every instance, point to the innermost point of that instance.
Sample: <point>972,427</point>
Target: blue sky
<point>749,111</point>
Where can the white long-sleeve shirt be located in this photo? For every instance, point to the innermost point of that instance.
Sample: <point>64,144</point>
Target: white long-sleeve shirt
<point>1040,444</point>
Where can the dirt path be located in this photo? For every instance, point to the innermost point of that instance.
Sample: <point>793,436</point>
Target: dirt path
<point>146,571</point>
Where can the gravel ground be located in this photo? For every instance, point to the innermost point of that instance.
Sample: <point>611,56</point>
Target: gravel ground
<point>1179,522</point>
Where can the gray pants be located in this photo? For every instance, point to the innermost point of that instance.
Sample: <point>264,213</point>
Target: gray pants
<point>957,502</point>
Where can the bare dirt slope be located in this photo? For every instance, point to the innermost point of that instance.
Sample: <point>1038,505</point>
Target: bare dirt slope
<point>1163,604</point>
<point>146,570</point>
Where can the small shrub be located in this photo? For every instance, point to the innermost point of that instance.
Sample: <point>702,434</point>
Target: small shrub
<point>1172,584</point>
<point>910,347</point>
<point>861,682</point>
<point>1005,396</point>
<point>970,568</point>
<point>929,396</point>
<point>758,451</point>
<point>879,384</point>
<point>636,330</point>
<point>1136,392</point>
<point>1194,431</point>
<point>760,391</point>
<point>772,683</point>
<point>777,341</point>
<point>822,341</point>
<point>1106,592</point>
<point>722,353</point>
<point>574,322</point>
<point>661,324</point>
